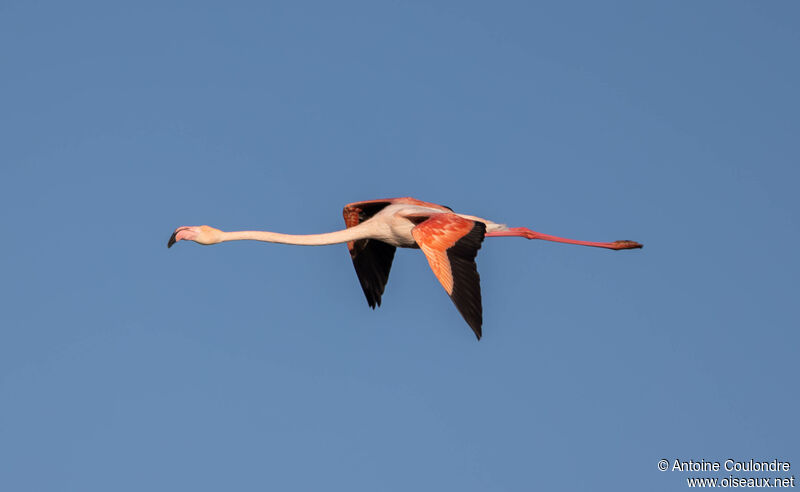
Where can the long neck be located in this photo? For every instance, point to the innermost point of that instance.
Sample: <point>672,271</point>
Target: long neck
<point>361,231</point>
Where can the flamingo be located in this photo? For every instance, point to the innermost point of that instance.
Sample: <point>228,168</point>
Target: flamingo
<point>375,228</point>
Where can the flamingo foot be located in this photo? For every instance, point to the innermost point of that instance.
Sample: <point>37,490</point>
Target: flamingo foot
<point>626,244</point>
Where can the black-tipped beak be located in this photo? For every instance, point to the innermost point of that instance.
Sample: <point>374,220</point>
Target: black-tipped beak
<point>171,240</point>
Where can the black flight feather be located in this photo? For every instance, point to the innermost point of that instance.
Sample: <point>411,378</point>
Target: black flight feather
<point>373,261</point>
<point>466,293</point>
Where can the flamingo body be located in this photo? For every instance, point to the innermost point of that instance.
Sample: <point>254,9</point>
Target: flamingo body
<point>376,228</point>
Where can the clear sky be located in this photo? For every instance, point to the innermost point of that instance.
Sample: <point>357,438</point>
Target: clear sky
<point>125,366</point>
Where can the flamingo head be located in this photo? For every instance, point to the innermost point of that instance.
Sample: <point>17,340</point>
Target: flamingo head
<point>200,234</point>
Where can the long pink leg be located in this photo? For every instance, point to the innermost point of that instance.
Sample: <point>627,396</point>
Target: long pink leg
<point>525,232</point>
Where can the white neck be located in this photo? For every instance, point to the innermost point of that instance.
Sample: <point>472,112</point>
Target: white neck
<point>361,231</point>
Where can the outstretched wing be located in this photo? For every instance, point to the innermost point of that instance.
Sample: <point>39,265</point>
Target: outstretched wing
<point>371,258</point>
<point>450,244</point>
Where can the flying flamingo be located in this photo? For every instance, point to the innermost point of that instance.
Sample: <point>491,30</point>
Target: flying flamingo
<point>376,228</point>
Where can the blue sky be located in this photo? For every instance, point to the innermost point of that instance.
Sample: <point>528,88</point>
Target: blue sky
<point>245,366</point>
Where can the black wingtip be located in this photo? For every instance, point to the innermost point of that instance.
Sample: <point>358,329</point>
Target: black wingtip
<point>466,294</point>
<point>171,240</point>
<point>476,323</point>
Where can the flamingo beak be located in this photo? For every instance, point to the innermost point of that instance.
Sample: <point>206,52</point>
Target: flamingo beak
<point>180,233</point>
